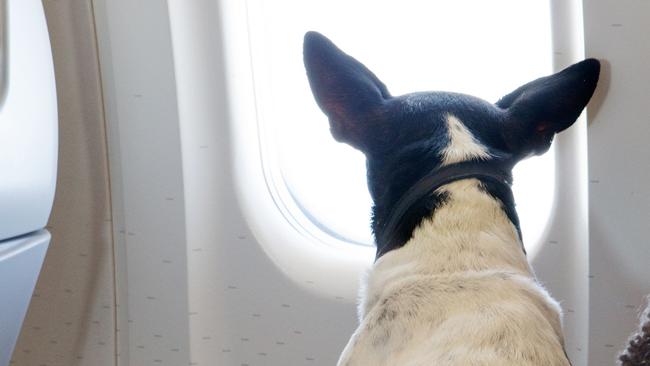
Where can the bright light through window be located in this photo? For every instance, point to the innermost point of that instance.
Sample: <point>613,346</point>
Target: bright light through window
<point>483,48</point>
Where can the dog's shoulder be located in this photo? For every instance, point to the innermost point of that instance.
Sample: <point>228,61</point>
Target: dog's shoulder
<point>409,315</point>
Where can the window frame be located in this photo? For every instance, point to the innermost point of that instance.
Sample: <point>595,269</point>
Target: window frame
<point>313,264</point>
<point>293,243</point>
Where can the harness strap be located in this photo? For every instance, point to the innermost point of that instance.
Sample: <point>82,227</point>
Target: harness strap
<point>498,172</point>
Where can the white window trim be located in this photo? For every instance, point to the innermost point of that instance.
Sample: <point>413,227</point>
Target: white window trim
<point>323,268</point>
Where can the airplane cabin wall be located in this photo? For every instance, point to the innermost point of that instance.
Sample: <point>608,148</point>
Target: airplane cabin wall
<point>176,255</point>
<point>619,171</point>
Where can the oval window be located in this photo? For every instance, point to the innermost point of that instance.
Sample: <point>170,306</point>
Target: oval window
<point>471,46</point>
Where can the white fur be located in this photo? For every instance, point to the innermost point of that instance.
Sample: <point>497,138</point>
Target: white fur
<point>460,292</point>
<point>462,144</point>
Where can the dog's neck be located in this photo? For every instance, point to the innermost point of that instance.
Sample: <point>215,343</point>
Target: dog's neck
<point>470,232</point>
<point>461,151</point>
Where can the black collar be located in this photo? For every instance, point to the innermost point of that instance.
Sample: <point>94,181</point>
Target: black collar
<point>493,172</point>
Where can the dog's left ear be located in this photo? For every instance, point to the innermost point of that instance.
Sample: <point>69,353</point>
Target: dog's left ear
<point>538,110</point>
<point>347,92</point>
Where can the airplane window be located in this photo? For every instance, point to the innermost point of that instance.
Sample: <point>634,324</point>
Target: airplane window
<point>483,48</point>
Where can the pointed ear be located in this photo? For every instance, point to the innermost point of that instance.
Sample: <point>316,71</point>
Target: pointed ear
<point>346,91</point>
<point>538,110</point>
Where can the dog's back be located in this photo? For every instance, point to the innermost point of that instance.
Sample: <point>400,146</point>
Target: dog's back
<point>459,320</point>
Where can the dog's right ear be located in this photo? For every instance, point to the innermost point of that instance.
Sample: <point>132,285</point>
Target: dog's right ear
<point>347,92</point>
<point>538,110</point>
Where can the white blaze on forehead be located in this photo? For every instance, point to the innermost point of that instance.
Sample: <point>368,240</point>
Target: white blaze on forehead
<point>462,144</point>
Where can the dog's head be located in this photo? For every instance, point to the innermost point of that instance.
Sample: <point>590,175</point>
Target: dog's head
<point>406,137</point>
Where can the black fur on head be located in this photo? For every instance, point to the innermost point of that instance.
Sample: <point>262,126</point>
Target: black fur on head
<point>403,137</point>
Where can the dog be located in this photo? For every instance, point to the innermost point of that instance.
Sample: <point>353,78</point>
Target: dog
<point>451,284</point>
